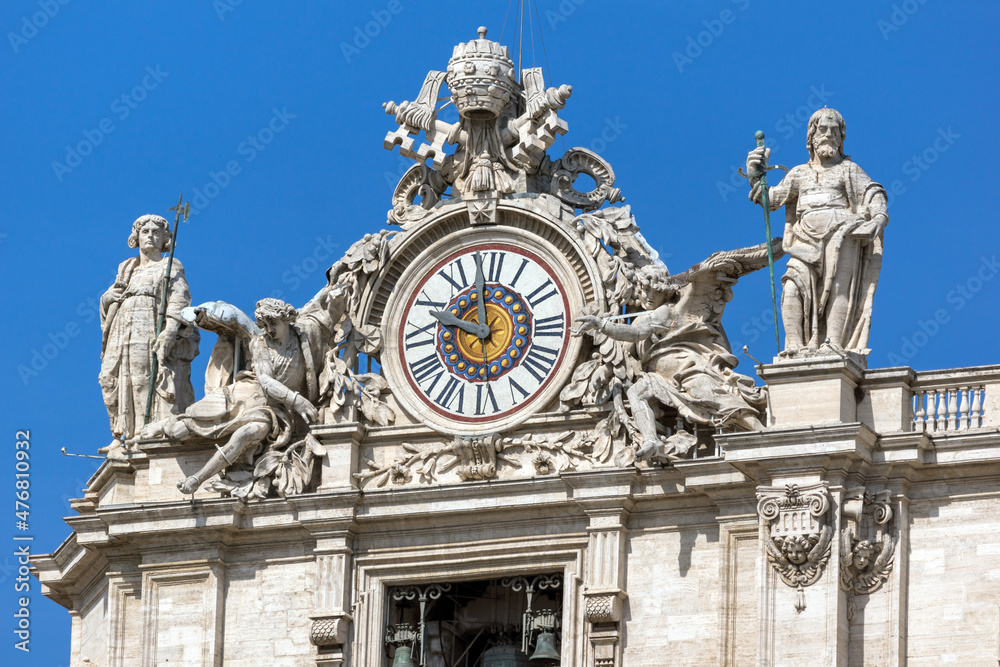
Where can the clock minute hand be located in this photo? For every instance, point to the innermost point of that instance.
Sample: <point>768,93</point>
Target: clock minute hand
<point>484,325</point>
<point>480,298</point>
<point>449,320</point>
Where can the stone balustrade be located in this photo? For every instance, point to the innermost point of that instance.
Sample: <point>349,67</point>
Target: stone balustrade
<point>955,400</point>
<point>948,408</point>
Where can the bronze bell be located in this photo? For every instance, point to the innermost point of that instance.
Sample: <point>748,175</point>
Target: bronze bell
<point>403,657</point>
<point>505,655</point>
<point>545,654</point>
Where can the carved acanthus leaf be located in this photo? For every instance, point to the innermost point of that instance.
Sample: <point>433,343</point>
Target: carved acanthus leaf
<point>288,470</point>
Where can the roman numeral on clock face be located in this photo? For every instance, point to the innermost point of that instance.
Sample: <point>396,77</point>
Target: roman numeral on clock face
<point>452,392</point>
<point>520,270</point>
<point>485,398</point>
<point>520,390</point>
<point>427,367</point>
<point>449,271</point>
<point>550,326</point>
<point>421,336</point>
<point>540,295</point>
<point>427,302</point>
<point>495,266</point>
<point>540,361</point>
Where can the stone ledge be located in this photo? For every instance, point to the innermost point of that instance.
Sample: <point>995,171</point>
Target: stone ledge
<point>799,443</point>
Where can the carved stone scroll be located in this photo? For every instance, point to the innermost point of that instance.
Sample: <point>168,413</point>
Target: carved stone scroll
<point>868,541</point>
<point>797,530</point>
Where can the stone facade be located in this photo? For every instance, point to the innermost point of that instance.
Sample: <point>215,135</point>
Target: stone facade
<point>657,561</point>
<point>426,464</point>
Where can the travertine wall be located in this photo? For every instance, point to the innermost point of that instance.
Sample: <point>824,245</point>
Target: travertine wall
<point>91,629</point>
<point>674,590</point>
<point>661,565</point>
<point>267,613</point>
<point>954,574</point>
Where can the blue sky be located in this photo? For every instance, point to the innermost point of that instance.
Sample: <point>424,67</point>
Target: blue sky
<point>267,116</point>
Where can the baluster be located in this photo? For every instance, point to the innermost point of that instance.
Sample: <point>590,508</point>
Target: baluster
<point>963,403</point>
<point>975,412</point>
<point>942,410</point>
<point>926,399</point>
<point>932,410</point>
<point>952,409</point>
<point>919,415</point>
<point>929,416</point>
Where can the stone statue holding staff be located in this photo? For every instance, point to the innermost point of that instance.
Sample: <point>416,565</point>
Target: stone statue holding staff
<point>834,217</point>
<point>131,309</point>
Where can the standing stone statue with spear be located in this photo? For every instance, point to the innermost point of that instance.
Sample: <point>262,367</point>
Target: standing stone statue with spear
<point>147,346</point>
<point>834,220</point>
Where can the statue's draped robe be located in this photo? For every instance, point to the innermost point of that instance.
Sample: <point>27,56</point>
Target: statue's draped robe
<point>130,310</point>
<point>296,366</point>
<point>823,207</point>
<point>690,367</point>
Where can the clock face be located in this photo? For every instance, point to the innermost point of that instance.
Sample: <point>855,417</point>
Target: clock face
<point>477,357</point>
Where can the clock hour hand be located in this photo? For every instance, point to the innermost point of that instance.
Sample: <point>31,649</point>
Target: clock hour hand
<point>480,298</point>
<point>449,320</point>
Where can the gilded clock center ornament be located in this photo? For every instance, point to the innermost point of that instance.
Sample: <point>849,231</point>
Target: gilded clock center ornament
<point>480,359</point>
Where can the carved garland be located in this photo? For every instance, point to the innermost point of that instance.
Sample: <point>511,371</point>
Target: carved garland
<point>479,458</point>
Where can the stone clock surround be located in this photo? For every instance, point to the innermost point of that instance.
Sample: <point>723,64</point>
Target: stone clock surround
<point>525,223</point>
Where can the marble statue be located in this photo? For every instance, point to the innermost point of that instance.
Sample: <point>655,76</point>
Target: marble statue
<point>834,217</point>
<point>275,399</point>
<point>685,356</point>
<point>130,310</point>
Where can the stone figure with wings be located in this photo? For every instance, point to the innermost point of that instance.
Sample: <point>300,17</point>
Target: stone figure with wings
<point>686,359</point>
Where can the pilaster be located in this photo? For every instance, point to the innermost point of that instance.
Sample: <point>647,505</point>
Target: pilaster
<point>607,500</point>
<point>802,471</point>
<point>331,616</point>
